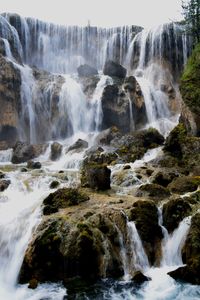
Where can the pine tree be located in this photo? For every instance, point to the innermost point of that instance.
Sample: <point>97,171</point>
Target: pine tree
<point>191,10</point>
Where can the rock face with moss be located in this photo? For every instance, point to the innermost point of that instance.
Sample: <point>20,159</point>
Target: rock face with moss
<point>190,90</point>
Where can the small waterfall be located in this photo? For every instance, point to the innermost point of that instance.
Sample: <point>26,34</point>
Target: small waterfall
<point>139,260</point>
<point>73,106</point>
<point>132,125</point>
<point>7,49</point>
<point>28,114</point>
<point>173,244</point>
<point>95,103</point>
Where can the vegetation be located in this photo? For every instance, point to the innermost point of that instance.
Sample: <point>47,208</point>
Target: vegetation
<point>191,10</point>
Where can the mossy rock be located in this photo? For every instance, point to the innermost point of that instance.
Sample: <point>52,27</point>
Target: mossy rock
<point>145,216</point>
<point>173,143</point>
<point>189,86</point>
<point>174,211</point>
<point>154,191</point>
<point>184,184</point>
<point>63,198</point>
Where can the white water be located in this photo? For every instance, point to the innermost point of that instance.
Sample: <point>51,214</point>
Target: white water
<point>19,215</point>
<point>139,260</point>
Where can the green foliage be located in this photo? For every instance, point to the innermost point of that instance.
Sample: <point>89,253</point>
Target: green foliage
<point>191,9</point>
<point>190,88</point>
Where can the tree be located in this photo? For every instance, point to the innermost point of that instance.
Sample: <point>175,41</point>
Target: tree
<point>191,11</point>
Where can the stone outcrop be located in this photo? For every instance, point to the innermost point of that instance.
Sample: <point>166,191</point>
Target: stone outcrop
<point>23,152</point>
<point>145,215</point>
<point>56,151</point>
<point>10,103</point>
<point>117,100</point>
<point>86,71</point>
<point>114,69</point>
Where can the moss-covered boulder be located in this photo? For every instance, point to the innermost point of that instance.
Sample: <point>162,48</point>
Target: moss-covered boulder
<point>174,211</point>
<point>154,191</point>
<point>165,176</point>
<point>63,198</point>
<point>145,215</point>
<point>73,245</point>
<point>174,141</point>
<point>184,184</point>
<point>190,87</point>
<point>191,255</point>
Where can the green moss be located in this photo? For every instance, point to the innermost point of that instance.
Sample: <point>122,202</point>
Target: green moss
<point>190,82</point>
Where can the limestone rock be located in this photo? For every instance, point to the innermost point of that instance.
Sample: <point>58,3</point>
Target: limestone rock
<point>113,69</point>
<point>56,151</point>
<point>86,71</point>
<point>23,152</point>
<point>4,184</point>
<point>78,145</point>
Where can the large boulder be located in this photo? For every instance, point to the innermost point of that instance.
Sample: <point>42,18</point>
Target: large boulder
<point>77,244</point>
<point>63,198</point>
<point>145,215</point>
<point>154,191</point>
<point>10,103</point>
<point>114,69</point>
<point>174,211</point>
<point>78,145</point>
<point>86,71</point>
<point>184,184</point>
<point>56,151</point>
<point>4,184</point>
<point>23,152</point>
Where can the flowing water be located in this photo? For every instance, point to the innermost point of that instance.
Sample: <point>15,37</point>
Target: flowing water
<point>69,115</point>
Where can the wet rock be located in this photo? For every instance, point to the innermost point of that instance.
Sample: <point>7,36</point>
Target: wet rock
<point>23,170</point>
<point>2,175</point>
<point>4,184</point>
<point>96,176</point>
<point>184,184</point>
<point>63,198</point>
<point>154,191</point>
<point>113,69</point>
<point>23,152</point>
<point>145,216</point>
<point>106,136</point>
<point>78,145</point>
<point>34,164</point>
<point>67,246</point>
<point>185,274</point>
<point>174,211</point>
<point>89,85</point>
<point>164,177</point>
<point>139,277</point>
<point>10,103</point>
<point>33,284</point>
<point>54,184</point>
<point>174,141</point>
<point>56,151</point>
<point>86,71</point>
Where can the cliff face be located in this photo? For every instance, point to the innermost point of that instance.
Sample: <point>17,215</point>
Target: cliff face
<point>190,90</point>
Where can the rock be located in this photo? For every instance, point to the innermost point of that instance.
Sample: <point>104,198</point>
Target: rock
<point>116,108</point>
<point>106,136</point>
<point>78,145</point>
<point>96,176</point>
<point>23,170</point>
<point>56,151</point>
<point>34,164</point>
<point>165,176</point>
<point>33,284</point>
<point>174,141</point>
<point>184,184</point>
<point>89,85</point>
<point>174,211</point>
<point>10,103</point>
<point>63,198</point>
<point>54,184</point>
<point>86,71</point>
<point>23,152</point>
<point>185,274</point>
<point>67,246</point>
<point>4,184</point>
<point>154,191</point>
<point>113,69</point>
<point>145,215</point>
<point>139,277</point>
<point>2,175</point>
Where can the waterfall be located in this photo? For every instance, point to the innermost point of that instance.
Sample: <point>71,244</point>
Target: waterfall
<point>139,260</point>
<point>7,49</point>
<point>173,244</point>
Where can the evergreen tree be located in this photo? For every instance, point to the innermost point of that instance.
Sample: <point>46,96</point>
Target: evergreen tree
<point>191,10</point>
